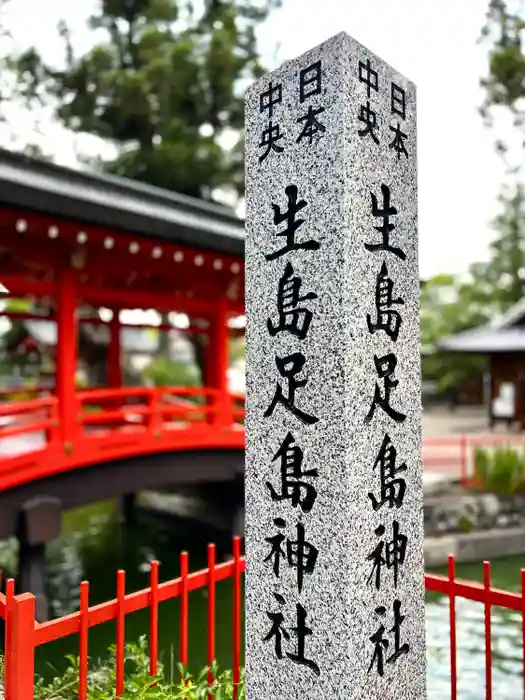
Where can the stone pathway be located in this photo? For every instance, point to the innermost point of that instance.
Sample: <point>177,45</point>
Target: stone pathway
<point>440,421</point>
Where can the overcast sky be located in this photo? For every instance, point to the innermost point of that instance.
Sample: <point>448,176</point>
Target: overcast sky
<point>433,42</point>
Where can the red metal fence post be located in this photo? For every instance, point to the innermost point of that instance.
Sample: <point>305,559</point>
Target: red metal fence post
<point>236,616</point>
<point>83,641</point>
<point>211,612</point>
<point>452,618</point>
<point>20,648</point>
<point>120,647</point>
<point>523,627</point>
<point>9,595</point>
<point>153,618</point>
<point>488,630</point>
<point>183,648</point>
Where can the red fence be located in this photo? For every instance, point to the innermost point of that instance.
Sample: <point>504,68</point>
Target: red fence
<point>454,454</point>
<point>23,634</point>
<point>490,597</point>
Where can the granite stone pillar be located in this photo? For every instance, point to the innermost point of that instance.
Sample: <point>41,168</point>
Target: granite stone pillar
<point>334,497</point>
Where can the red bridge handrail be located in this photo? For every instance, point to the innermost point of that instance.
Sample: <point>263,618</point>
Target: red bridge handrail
<point>113,423</point>
<point>13,408</point>
<point>156,398</point>
<point>107,393</point>
<point>148,417</point>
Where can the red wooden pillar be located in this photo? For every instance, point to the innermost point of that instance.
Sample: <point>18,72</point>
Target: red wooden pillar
<point>66,356</point>
<point>217,364</point>
<point>114,368</point>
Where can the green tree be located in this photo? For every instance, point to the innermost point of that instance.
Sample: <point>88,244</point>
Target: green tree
<point>16,332</point>
<point>9,94</point>
<point>504,84</point>
<point>449,306</point>
<point>501,281</point>
<point>12,338</point>
<point>5,37</point>
<point>163,372</point>
<point>494,286</point>
<point>504,93</point>
<point>163,84</point>
<point>504,88</point>
<point>237,349</point>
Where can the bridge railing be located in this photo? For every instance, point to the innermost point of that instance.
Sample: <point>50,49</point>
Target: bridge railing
<point>113,408</point>
<point>239,405</point>
<point>145,412</point>
<point>192,404</point>
<point>137,410</point>
<point>155,407</point>
<point>31,416</point>
<point>23,634</point>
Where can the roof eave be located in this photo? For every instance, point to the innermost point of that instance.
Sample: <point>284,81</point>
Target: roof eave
<point>118,204</point>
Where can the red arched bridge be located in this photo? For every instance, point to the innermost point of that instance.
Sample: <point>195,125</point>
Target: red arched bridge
<point>71,245</point>
<point>123,441</point>
<point>113,424</point>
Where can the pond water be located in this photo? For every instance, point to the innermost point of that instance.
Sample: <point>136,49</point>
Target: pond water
<point>93,546</point>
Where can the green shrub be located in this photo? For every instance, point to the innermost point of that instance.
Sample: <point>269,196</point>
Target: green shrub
<point>18,396</point>
<point>464,524</point>
<point>91,409</point>
<point>167,685</point>
<point>500,470</point>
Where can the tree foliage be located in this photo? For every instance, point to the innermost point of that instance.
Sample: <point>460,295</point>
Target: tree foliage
<point>163,84</point>
<point>504,96</point>
<point>501,281</point>
<point>5,37</point>
<point>11,339</point>
<point>451,304</point>
<point>448,306</point>
<point>504,84</point>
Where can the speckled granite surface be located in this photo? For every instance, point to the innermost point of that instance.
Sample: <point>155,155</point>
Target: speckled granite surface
<point>333,383</point>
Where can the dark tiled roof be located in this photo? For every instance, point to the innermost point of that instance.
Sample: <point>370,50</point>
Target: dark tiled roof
<point>118,203</point>
<point>505,333</point>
